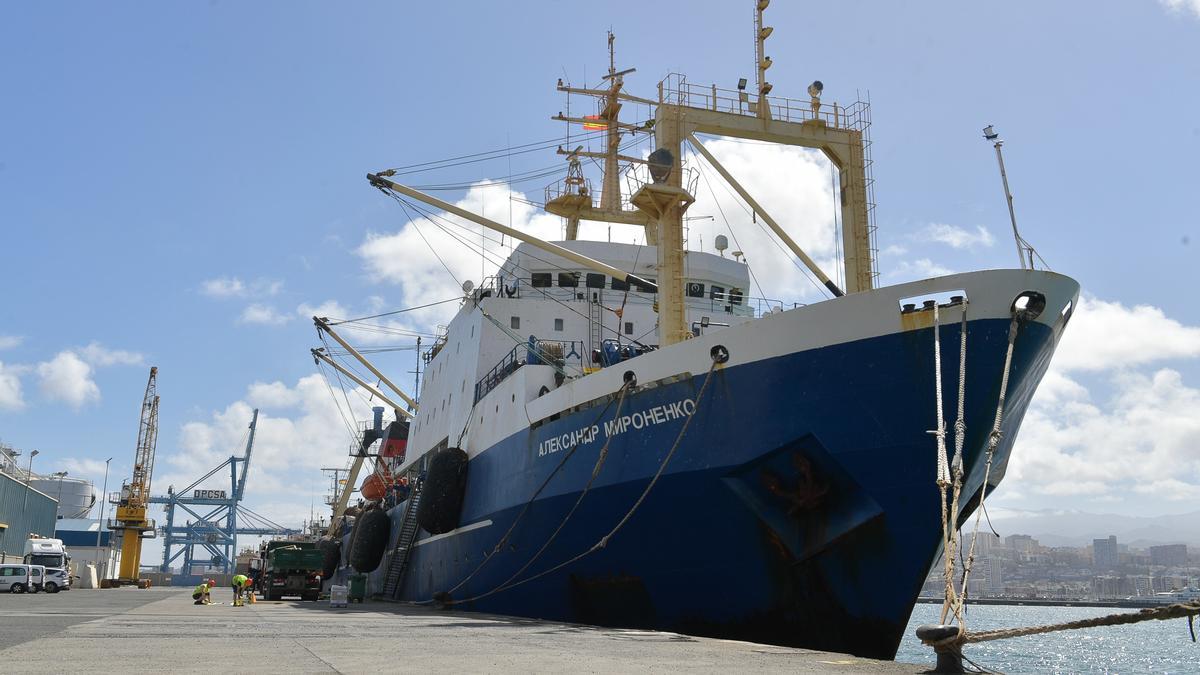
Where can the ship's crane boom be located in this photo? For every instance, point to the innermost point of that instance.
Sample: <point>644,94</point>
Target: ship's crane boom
<point>132,505</point>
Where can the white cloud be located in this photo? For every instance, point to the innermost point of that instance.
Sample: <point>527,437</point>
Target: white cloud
<point>10,388</point>
<point>10,341</point>
<point>1106,335</point>
<point>68,378</point>
<point>233,287</point>
<point>956,237</point>
<point>98,355</point>
<point>1146,432</point>
<point>262,314</point>
<point>913,270</point>
<point>272,395</point>
<point>223,287</point>
<point>1181,5</point>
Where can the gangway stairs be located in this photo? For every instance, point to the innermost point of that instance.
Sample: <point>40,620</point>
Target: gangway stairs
<point>398,566</point>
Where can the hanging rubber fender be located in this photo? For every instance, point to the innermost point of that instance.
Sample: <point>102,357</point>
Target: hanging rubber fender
<point>331,552</point>
<point>442,495</point>
<point>370,540</point>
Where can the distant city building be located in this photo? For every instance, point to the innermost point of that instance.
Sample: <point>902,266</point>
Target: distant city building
<point>1170,555</point>
<point>1105,554</point>
<point>1021,543</point>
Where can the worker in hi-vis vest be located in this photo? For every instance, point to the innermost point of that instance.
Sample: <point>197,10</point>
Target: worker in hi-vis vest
<point>201,594</point>
<point>240,584</point>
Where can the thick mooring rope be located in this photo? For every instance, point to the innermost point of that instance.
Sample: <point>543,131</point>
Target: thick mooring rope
<point>1176,611</point>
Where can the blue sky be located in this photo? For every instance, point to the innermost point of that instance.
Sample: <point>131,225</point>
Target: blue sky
<point>182,184</point>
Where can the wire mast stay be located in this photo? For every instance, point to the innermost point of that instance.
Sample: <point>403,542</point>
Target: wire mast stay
<point>132,503</point>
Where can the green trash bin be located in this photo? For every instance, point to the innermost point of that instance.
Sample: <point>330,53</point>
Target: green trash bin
<point>358,587</point>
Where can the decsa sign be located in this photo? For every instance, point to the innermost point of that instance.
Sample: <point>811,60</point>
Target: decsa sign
<point>209,494</point>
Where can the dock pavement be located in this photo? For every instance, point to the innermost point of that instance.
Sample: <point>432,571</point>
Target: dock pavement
<point>160,630</point>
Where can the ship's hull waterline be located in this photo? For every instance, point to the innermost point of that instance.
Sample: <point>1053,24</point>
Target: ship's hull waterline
<point>799,508</point>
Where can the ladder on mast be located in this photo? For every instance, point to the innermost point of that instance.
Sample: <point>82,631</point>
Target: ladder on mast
<point>596,321</point>
<point>398,565</point>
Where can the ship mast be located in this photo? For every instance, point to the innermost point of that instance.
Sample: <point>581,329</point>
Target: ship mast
<point>681,111</point>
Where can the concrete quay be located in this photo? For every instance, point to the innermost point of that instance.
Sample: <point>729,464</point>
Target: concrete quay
<point>159,630</point>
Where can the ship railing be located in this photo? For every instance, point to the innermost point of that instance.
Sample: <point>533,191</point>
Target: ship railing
<point>566,187</point>
<point>725,302</point>
<point>565,355</point>
<point>674,89</point>
<point>439,341</point>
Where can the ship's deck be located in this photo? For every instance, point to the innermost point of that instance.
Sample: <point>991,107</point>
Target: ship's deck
<point>160,630</point>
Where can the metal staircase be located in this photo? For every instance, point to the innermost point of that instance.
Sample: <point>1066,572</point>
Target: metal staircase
<point>398,565</point>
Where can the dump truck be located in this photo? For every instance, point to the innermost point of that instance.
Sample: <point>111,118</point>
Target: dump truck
<point>290,568</point>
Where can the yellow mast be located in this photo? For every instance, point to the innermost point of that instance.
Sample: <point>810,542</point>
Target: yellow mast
<point>132,508</point>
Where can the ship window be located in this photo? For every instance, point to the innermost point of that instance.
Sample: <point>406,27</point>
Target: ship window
<point>619,284</point>
<point>735,296</point>
<point>558,325</point>
<point>568,279</point>
<point>629,328</point>
<point>716,293</point>
<point>540,280</point>
<point>515,322</point>
<point>595,280</point>
<point>695,289</point>
<point>646,286</point>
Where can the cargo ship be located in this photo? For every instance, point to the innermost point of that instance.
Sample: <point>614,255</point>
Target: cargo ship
<point>620,435</point>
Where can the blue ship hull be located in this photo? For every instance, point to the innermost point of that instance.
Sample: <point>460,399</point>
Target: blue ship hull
<point>800,508</point>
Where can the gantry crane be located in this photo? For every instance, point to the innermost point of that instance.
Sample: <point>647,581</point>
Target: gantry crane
<point>214,518</point>
<point>134,499</point>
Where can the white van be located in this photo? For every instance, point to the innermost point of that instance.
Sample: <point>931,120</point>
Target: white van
<point>14,578</point>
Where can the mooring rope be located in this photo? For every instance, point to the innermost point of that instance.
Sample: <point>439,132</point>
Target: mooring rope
<point>1164,613</point>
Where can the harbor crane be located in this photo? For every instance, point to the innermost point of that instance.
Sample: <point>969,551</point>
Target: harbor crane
<point>215,518</point>
<point>132,502</point>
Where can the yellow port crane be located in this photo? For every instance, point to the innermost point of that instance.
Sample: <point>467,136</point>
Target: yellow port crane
<point>133,503</point>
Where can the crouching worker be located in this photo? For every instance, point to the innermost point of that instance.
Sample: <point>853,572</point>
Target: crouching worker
<point>241,585</point>
<point>201,594</point>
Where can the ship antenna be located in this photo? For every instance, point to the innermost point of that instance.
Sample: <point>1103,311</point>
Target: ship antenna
<point>990,134</point>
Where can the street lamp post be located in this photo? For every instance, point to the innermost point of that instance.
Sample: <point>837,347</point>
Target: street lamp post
<point>28,480</point>
<point>59,475</point>
<point>100,523</point>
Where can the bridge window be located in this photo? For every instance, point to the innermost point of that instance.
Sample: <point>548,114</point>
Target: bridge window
<point>716,293</point>
<point>647,286</point>
<point>568,279</point>
<point>619,284</point>
<point>595,280</point>
<point>735,296</point>
<point>695,289</point>
<point>540,280</point>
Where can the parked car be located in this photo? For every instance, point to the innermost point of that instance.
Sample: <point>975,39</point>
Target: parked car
<point>15,578</point>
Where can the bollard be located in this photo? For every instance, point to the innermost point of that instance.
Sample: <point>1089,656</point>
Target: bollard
<point>949,659</point>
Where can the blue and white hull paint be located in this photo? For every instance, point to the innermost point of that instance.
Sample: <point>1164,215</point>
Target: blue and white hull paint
<point>800,507</point>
